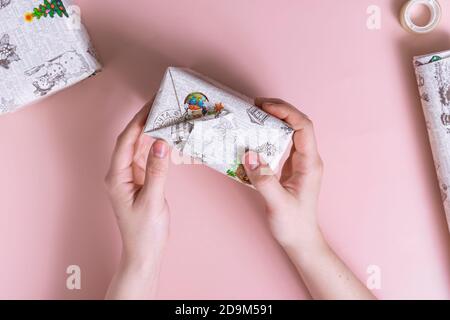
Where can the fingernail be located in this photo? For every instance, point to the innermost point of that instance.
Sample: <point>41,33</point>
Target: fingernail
<point>252,160</point>
<point>159,149</point>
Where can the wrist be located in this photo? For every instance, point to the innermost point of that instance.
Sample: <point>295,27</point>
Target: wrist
<point>306,244</point>
<point>142,265</point>
<point>134,280</point>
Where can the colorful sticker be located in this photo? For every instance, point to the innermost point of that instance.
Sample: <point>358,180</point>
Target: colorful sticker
<point>238,172</point>
<point>50,9</point>
<point>197,105</point>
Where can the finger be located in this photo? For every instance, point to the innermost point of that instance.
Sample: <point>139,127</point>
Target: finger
<point>259,101</point>
<point>123,153</point>
<point>156,173</point>
<point>286,171</point>
<point>304,138</point>
<point>263,178</point>
<point>140,159</point>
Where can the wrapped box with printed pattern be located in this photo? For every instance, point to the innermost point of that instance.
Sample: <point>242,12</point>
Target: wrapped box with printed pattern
<point>43,49</point>
<point>213,124</point>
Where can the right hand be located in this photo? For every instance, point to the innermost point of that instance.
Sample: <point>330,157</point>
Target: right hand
<point>291,201</point>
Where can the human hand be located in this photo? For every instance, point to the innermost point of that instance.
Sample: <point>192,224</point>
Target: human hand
<point>291,204</point>
<point>135,183</point>
<point>291,201</point>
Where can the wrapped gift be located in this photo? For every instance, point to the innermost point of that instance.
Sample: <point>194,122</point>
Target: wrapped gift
<point>433,77</point>
<point>213,124</point>
<point>43,49</point>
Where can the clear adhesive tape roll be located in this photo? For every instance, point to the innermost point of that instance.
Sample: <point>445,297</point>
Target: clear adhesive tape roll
<point>435,16</point>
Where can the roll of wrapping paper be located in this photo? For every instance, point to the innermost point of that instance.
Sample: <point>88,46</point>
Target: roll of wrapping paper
<point>433,78</point>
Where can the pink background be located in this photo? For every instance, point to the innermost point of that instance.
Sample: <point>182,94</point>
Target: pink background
<point>380,202</point>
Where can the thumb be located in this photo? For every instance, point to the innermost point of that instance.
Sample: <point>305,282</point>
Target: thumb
<point>263,178</point>
<point>156,172</point>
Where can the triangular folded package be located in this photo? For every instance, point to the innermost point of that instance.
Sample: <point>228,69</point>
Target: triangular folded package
<point>214,125</point>
<point>44,48</point>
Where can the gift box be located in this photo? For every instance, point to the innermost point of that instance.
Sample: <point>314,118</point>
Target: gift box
<point>43,49</point>
<point>213,124</point>
<point>433,78</point>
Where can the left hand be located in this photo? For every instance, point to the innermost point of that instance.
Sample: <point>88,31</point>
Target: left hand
<point>135,182</point>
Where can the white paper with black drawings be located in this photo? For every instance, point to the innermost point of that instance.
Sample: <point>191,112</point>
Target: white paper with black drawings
<point>41,56</point>
<point>213,124</point>
<point>433,78</point>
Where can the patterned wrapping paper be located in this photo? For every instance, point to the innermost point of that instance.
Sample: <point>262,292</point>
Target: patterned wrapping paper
<point>213,124</point>
<point>43,49</point>
<point>433,77</point>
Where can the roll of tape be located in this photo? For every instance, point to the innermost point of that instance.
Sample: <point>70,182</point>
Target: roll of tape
<point>435,13</point>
